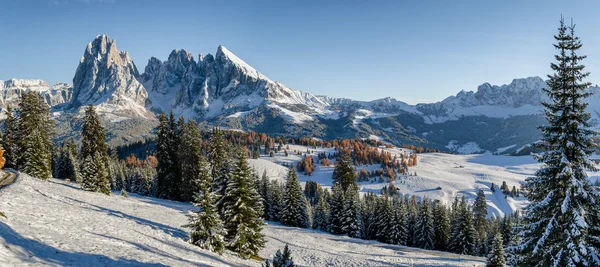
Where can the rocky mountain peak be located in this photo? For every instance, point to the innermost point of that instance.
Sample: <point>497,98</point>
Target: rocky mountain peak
<point>107,76</point>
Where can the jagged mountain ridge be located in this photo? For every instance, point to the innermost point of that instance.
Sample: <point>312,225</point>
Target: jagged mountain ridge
<point>55,95</point>
<point>224,90</point>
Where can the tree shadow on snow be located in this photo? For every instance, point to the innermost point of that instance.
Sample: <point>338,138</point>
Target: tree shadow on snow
<point>36,249</point>
<point>175,232</point>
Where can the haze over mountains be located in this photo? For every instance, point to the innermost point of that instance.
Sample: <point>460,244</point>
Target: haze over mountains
<point>224,90</point>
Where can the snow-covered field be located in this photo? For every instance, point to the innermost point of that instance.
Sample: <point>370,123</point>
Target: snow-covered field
<point>54,223</point>
<point>456,175</point>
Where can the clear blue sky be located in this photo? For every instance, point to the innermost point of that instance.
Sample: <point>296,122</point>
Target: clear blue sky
<point>415,51</point>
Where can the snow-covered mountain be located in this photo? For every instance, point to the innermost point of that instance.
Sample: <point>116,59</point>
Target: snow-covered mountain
<point>11,90</point>
<point>226,91</point>
<point>108,78</point>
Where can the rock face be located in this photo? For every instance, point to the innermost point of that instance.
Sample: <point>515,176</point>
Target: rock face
<point>108,77</point>
<point>11,90</point>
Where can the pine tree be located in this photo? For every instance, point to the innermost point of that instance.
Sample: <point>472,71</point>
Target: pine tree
<point>496,256</point>
<point>480,214</point>
<point>242,214</point>
<point>398,224</point>
<point>562,223</point>
<point>264,194</point>
<point>463,234</point>
<point>89,171</point>
<point>344,173</point>
<point>442,226</point>
<point>35,128</point>
<point>336,210</point>
<point>190,154</point>
<point>93,146</point>
<point>220,168</point>
<point>352,218</point>
<point>283,259</point>
<point>275,198</point>
<point>10,139</point>
<point>294,212</point>
<point>208,231</point>
<point>425,234</point>
<point>321,219</point>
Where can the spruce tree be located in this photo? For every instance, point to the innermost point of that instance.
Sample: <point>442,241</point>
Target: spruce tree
<point>336,210</point>
<point>496,256</point>
<point>352,217</point>
<point>207,229</point>
<point>264,194</point>
<point>243,213</point>
<point>220,167</point>
<point>35,128</point>
<point>344,173</point>
<point>165,163</point>
<point>93,146</point>
<point>275,198</point>
<point>561,225</point>
<point>294,212</point>
<point>398,224</point>
<point>321,219</point>
<point>442,226</point>
<point>283,259</point>
<point>463,234</point>
<point>190,154</point>
<point>425,234</point>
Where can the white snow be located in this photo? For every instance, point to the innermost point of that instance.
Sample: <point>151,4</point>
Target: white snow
<point>467,148</point>
<point>295,117</point>
<point>502,149</point>
<point>54,223</point>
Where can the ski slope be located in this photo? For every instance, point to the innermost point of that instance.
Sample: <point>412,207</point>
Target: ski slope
<point>54,223</point>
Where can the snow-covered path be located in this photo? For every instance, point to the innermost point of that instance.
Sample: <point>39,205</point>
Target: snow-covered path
<point>54,223</point>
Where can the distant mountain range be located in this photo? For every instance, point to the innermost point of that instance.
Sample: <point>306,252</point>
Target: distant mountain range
<point>225,91</point>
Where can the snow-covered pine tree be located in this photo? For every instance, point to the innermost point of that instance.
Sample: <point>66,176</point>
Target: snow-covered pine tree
<point>344,173</point>
<point>411,220</point>
<point>242,215</point>
<point>496,256</point>
<point>561,225</point>
<point>264,194</point>
<point>220,167</point>
<point>207,229</point>
<point>336,210</point>
<point>93,145</point>
<point>10,139</point>
<point>275,198</point>
<point>89,171</point>
<point>164,166</point>
<point>35,128</point>
<point>352,218</point>
<point>190,154</point>
<point>398,223</point>
<point>425,230</point>
<point>282,259</point>
<point>442,226</point>
<point>321,219</point>
<point>480,222</point>
<point>463,234</point>
<point>294,212</point>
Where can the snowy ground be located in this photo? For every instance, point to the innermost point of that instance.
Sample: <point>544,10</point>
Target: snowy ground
<point>54,223</point>
<point>456,175</point>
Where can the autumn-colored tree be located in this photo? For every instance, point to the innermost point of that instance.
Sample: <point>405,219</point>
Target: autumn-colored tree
<point>2,159</point>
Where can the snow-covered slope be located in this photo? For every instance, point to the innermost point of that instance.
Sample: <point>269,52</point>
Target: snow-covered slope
<point>54,223</point>
<point>456,175</point>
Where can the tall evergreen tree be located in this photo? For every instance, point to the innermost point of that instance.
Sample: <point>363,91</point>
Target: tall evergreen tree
<point>220,167</point>
<point>463,234</point>
<point>352,217</point>
<point>425,234</point>
<point>294,212</point>
<point>344,173</point>
<point>336,210</point>
<point>442,226</point>
<point>165,166</point>
<point>243,213</point>
<point>275,198</point>
<point>190,154</point>
<point>321,219</point>
<point>208,231</point>
<point>93,146</point>
<point>562,223</point>
<point>496,256</point>
<point>35,128</point>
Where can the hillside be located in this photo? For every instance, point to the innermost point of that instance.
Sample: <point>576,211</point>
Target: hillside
<point>54,223</point>
<point>455,175</point>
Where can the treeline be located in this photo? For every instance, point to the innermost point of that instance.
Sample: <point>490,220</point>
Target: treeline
<point>402,220</point>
